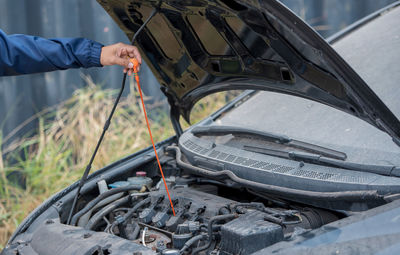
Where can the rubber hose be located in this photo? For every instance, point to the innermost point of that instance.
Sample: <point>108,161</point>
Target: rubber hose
<point>84,219</point>
<point>190,242</point>
<point>210,230</point>
<point>104,211</point>
<point>102,196</point>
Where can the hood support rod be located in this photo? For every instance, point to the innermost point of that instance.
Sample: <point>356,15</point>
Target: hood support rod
<point>106,125</point>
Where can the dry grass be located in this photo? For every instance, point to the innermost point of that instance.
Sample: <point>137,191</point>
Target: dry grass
<point>55,157</point>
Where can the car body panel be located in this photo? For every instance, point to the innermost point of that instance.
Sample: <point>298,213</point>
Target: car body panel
<point>362,142</point>
<point>376,231</point>
<point>196,48</point>
<point>372,231</point>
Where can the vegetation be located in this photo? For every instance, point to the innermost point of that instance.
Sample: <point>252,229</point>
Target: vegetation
<point>56,155</point>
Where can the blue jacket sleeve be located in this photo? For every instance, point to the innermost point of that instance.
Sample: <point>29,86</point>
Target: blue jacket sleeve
<point>23,54</point>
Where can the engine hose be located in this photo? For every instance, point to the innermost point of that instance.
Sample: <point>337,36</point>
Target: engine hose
<point>104,211</point>
<point>102,196</point>
<point>358,195</point>
<point>273,219</point>
<point>132,211</point>
<point>192,241</point>
<point>262,208</point>
<point>272,215</point>
<point>224,210</point>
<point>210,230</point>
<point>84,219</point>
<point>216,227</point>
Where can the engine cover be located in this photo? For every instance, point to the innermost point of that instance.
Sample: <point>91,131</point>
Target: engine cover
<point>249,233</point>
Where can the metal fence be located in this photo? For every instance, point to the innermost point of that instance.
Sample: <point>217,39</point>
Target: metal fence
<point>23,96</point>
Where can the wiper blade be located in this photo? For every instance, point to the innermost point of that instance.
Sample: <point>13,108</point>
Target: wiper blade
<point>230,130</point>
<point>281,139</point>
<point>318,154</point>
<point>389,170</point>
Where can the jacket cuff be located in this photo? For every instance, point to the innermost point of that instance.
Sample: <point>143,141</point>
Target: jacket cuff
<point>94,54</point>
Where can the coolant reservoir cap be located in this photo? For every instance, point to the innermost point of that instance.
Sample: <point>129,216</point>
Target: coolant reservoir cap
<point>141,174</point>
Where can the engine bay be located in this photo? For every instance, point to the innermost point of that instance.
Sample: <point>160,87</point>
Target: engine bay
<point>126,210</point>
<point>219,208</point>
<point>211,216</point>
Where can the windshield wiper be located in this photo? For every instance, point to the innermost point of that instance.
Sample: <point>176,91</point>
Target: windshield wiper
<point>318,154</point>
<point>280,139</point>
<point>389,170</point>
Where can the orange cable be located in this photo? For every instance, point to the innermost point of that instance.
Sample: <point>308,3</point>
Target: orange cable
<point>135,73</point>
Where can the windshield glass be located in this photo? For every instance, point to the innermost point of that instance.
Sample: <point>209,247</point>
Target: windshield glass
<point>374,55</point>
<point>373,52</point>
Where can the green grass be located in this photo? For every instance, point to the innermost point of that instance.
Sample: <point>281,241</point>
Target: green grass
<point>56,155</point>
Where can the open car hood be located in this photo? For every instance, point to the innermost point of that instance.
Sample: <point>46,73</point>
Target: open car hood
<point>200,47</point>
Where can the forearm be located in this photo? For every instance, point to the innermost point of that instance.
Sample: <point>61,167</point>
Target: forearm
<point>23,54</point>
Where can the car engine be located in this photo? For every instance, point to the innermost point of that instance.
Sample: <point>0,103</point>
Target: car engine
<point>129,212</point>
<point>210,216</point>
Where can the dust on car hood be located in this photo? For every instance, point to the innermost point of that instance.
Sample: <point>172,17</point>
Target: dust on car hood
<point>200,47</point>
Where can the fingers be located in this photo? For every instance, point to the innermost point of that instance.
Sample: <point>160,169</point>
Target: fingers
<point>119,54</point>
<point>129,51</point>
<point>133,52</point>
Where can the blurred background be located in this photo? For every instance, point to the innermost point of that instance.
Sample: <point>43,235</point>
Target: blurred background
<point>49,123</point>
<point>21,97</point>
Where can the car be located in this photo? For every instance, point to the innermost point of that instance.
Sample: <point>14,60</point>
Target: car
<point>305,161</point>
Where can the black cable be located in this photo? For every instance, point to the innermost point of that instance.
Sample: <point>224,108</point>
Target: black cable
<point>132,211</point>
<point>262,208</point>
<point>192,241</point>
<point>210,230</point>
<point>106,125</point>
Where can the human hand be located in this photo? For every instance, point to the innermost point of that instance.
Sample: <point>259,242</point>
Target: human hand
<point>119,54</point>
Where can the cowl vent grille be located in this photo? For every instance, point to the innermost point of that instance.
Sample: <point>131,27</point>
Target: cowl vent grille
<point>282,172</point>
<point>278,171</point>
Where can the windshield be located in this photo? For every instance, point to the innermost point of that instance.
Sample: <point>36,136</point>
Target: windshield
<point>374,55</point>
<point>373,52</point>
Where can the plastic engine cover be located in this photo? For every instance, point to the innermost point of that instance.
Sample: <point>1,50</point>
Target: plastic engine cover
<point>249,233</point>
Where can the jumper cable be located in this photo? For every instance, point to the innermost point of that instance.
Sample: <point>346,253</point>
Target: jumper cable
<point>136,75</point>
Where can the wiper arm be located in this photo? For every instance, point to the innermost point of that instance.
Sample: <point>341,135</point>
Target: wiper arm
<point>318,154</point>
<point>230,130</point>
<point>281,139</point>
<point>388,170</point>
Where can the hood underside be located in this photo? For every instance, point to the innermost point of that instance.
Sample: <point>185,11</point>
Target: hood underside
<point>200,47</point>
